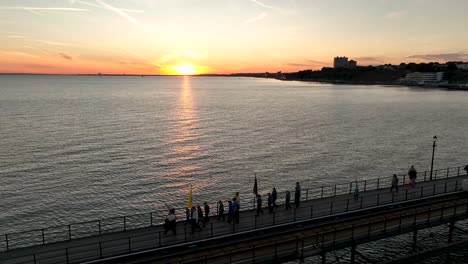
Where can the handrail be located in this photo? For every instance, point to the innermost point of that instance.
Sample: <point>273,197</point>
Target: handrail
<point>252,221</point>
<point>315,193</point>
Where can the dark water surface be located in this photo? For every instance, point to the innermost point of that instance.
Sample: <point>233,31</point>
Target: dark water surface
<point>76,148</point>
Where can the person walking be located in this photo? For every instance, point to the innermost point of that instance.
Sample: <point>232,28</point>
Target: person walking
<point>274,197</point>
<point>297,195</point>
<point>220,210</point>
<point>466,169</point>
<point>201,220</point>
<point>259,205</point>
<point>187,216</point>
<point>235,211</point>
<point>194,219</point>
<point>230,212</point>
<point>270,203</point>
<point>207,213</point>
<point>170,222</point>
<point>412,173</point>
<point>394,183</point>
<point>288,199</point>
<point>356,191</point>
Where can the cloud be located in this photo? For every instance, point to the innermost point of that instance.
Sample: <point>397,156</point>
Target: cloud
<point>459,56</point>
<point>257,18</point>
<point>297,64</point>
<point>121,12</point>
<point>65,56</point>
<point>54,43</point>
<point>395,14</point>
<point>370,60</point>
<point>264,5</point>
<point>31,8</point>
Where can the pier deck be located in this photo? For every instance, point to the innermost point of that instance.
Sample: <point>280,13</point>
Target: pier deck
<point>151,238</point>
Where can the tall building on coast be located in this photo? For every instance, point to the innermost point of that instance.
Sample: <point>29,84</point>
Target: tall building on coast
<point>342,62</point>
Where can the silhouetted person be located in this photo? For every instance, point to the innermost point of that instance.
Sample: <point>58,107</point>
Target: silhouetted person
<point>274,197</point>
<point>170,222</point>
<point>230,212</point>
<point>259,204</point>
<point>288,200</point>
<point>394,183</point>
<point>201,220</point>
<point>412,173</point>
<point>207,213</point>
<point>297,195</point>
<point>466,169</point>
<point>194,219</point>
<point>187,216</point>
<point>220,210</point>
<point>270,203</point>
<point>356,192</point>
<point>235,211</point>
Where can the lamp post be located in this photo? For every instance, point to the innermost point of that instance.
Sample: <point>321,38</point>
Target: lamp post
<point>433,150</point>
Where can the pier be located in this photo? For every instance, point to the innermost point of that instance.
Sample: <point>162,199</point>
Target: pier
<point>328,218</point>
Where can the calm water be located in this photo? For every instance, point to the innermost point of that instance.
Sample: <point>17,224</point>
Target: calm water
<point>77,148</point>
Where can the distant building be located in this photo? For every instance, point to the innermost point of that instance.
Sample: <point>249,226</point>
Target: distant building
<point>340,62</point>
<point>423,77</point>
<point>462,66</point>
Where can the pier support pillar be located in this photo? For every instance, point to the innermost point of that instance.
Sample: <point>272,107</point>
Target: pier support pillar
<point>415,238</point>
<point>353,252</point>
<point>323,254</point>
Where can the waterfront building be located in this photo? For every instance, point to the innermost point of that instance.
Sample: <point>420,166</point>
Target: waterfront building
<point>423,77</point>
<point>462,66</point>
<point>340,62</point>
<point>343,62</point>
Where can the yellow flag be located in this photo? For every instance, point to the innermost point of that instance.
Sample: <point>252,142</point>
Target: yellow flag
<point>189,205</point>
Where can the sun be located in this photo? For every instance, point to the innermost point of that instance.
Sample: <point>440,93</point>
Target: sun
<point>185,69</point>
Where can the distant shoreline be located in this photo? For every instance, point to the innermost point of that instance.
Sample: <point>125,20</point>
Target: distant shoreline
<point>442,86</point>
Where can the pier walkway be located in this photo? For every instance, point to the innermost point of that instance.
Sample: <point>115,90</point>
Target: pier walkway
<point>315,205</point>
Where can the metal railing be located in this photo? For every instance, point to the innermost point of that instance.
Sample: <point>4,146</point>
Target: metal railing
<point>124,223</point>
<point>151,239</point>
<point>323,241</point>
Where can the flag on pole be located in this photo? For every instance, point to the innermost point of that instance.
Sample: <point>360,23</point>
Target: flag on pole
<point>255,188</point>
<point>189,205</point>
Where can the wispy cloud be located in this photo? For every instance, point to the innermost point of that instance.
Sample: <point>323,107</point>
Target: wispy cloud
<point>257,18</point>
<point>121,12</point>
<point>54,43</point>
<point>395,14</point>
<point>31,8</point>
<point>65,56</point>
<point>459,56</point>
<point>16,36</point>
<point>370,60</point>
<point>264,5</point>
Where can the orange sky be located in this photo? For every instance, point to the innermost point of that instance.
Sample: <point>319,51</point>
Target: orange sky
<point>210,36</point>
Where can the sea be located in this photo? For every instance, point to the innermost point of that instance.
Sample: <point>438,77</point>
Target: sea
<point>79,148</point>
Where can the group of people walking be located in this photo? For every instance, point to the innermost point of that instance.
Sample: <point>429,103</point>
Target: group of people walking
<point>412,174</point>
<point>273,197</point>
<point>196,217</point>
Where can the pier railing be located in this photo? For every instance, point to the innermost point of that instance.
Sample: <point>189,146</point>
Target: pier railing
<point>155,238</point>
<point>123,223</point>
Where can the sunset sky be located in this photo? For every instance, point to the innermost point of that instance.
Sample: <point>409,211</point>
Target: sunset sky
<point>225,36</point>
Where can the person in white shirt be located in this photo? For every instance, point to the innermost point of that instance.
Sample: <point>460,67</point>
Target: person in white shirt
<point>170,222</point>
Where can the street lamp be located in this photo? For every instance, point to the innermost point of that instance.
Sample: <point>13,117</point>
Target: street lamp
<point>433,150</point>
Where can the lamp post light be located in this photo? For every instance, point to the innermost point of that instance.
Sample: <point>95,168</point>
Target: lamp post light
<point>433,150</point>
